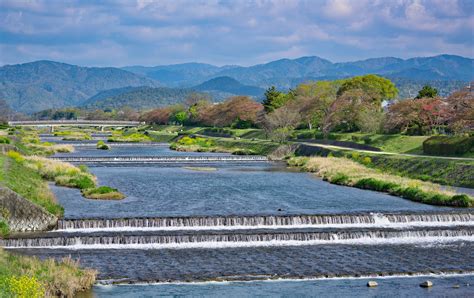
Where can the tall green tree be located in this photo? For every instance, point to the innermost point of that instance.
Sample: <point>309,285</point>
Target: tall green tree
<point>379,88</point>
<point>275,99</point>
<point>427,92</point>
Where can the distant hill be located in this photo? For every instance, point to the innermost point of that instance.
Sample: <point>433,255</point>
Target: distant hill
<point>287,73</point>
<point>178,75</point>
<point>137,98</point>
<point>42,85</point>
<point>229,85</point>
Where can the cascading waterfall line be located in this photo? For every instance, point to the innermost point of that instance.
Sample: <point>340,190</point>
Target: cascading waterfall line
<point>162,159</point>
<point>371,220</point>
<point>243,240</point>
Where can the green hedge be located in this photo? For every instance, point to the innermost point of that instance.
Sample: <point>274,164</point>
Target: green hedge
<point>446,145</point>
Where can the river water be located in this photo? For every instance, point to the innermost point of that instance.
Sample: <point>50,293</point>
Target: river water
<point>253,229</point>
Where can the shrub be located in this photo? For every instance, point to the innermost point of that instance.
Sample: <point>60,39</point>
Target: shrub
<point>366,160</point>
<point>16,156</point>
<point>103,193</point>
<point>102,146</point>
<point>339,178</point>
<point>77,181</point>
<point>25,286</point>
<point>375,184</point>
<point>243,152</point>
<point>461,201</point>
<point>4,140</point>
<point>83,168</point>
<point>447,145</point>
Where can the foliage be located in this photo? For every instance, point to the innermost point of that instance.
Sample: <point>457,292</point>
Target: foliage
<point>4,140</point>
<point>23,276</point>
<point>29,184</point>
<point>427,92</point>
<point>446,145</point>
<point>102,145</point>
<point>227,112</point>
<point>103,193</point>
<point>199,141</point>
<point>347,172</point>
<point>275,99</point>
<point>379,88</point>
<point>135,137</point>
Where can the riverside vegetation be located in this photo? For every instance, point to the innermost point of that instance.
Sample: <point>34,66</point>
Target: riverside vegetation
<point>23,276</point>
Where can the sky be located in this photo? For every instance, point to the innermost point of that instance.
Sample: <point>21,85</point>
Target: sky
<point>225,32</point>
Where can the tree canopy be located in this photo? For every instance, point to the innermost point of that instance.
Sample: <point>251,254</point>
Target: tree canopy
<point>379,88</point>
<point>427,92</point>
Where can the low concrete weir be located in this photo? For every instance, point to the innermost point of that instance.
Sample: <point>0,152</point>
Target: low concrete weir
<point>162,159</point>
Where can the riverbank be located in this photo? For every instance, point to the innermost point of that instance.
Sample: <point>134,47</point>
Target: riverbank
<point>346,172</point>
<point>23,276</point>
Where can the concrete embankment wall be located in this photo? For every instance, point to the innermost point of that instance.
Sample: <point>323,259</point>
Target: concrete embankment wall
<point>22,215</point>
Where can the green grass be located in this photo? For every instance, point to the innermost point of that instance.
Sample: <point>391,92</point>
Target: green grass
<point>23,276</point>
<point>347,172</point>
<point>29,184</point>
<point>390,143</point>
<point>235,146</point>
<point>442,171</point>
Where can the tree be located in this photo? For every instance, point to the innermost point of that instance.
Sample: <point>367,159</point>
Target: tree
<point>427,92</point>
<point>226,113</point>
<point>280,123</point>
<point>349,112</point>
<point>417,116</point>
<point>181,117</point>
<point>275,99</point>
<point>314,100</point>
<point>380,88</point>
<point>461,116</point>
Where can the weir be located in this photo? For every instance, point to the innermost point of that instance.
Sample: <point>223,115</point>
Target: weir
<point>163,159</point>
<point>271,221</point>
<point>243,239</point>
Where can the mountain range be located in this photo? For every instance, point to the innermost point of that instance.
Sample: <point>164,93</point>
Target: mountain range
<point>34,86</point>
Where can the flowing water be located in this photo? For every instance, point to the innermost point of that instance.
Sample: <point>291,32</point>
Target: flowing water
<point>250,228</point>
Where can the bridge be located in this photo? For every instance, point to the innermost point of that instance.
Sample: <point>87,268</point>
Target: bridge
<point>95,123</point>
<point>161,159</point>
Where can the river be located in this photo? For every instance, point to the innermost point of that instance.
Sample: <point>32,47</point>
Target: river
<point>252,229</point>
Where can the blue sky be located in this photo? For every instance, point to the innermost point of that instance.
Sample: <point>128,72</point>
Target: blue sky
<point>140,32</point>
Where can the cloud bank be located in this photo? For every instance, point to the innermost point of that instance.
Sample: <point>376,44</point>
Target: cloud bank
<point>142,32</point>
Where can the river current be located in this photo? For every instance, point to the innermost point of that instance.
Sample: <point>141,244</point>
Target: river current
<point>252,229</point>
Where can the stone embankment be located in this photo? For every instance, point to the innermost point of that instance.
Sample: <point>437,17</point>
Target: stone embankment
<point>22,215</point>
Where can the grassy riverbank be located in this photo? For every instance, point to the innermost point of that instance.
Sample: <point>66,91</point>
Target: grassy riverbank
<point>22,276</point>
<point>343,171</point>
<point>234,146</point>
<point>18,177</point>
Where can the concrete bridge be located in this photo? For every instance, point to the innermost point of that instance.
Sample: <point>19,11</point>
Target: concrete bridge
<point>162,159</point>
<point>94,123</point>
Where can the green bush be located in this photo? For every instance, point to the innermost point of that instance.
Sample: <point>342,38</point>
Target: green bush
<point>340,179</point>
<point>101,190</point>
<point>102,146</point>
<point>461,201</point>
<point>4,140</point>
<point>447,145</point>
<point>243,152</point>
<point>80,181</point>
<point>377,185</point>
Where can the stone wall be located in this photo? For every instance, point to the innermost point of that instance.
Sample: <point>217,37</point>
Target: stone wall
<point>23,215</point>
